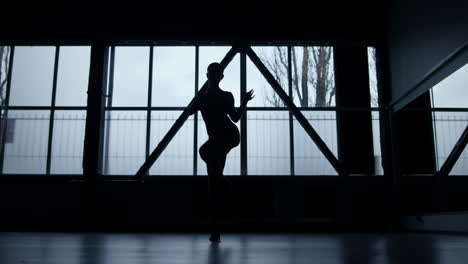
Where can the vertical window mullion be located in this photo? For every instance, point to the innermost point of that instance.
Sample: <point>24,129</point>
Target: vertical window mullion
<point>148,111</point>
<point>291,121</point>
<point>195,118</point>
<point>52,110</point>
<point>109,95</point>
<point>243,89</point>
<point>7,102</point>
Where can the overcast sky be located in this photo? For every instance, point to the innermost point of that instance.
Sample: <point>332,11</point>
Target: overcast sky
<point>453,90</point>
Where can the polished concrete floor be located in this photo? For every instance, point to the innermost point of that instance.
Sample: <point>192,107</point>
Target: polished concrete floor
<point>402,248</point>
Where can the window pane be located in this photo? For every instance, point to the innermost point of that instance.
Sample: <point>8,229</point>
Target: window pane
<point>268,143</point>
<point>448,128</point>
<point>67,142</point>
<point>124,142</point>
<point>452,91</point>
<point>173,76</point>
<point>233,158</point>
<point>376,141</point>
<point>4,69</point>
<point>276,60</point>
<point>231,81</point>
<point>26,152</point>
<point>314,87</point>
<point>177,158</point>
<point>461,166</point>
<point>72,79</point>
<point>371,59</point>
<point>32,76</point>
<point>131,71</point>
<point>308,159</point>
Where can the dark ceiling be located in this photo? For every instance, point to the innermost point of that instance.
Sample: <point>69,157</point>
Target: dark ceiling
<point>198,21</point>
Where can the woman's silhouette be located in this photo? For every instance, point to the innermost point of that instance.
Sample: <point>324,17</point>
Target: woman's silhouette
<point>215,106</point>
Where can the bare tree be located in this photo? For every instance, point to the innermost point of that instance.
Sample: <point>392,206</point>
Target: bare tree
<point>4,57</point>
<point>324,78</point>
<point>4,68</point>
<point>373,77</point>
<point>278,66</point>
<point>310,70</point>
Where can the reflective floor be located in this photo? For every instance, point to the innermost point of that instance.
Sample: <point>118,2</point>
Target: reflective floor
<point>235,248</point>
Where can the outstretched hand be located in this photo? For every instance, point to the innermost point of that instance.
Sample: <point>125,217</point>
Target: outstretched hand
<point>248,96</point>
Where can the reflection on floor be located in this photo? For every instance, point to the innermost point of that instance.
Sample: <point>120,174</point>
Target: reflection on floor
<point>96,248</point>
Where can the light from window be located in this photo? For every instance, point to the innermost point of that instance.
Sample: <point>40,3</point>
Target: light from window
<point>73,73</point>
<point>32,76</point>
<point>131,72</point>
<point>124,142</point>
<point>173,76</point>
<point>268,150</point>
<point>26,153</point>
<point>177,158</point>
<point>308,159</point>
<point>68,142</point>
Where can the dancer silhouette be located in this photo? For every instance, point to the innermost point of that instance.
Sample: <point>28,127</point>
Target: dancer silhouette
<point>215,106</point>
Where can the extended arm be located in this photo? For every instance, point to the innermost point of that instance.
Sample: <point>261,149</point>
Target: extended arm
<point>236,114</point>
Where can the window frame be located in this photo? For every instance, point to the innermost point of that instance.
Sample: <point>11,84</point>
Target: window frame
<point>149,107</point>
<point>52,107</point>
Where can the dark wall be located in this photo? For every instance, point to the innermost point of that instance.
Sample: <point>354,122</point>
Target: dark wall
<point>421,34</point>
<point>192,20</point>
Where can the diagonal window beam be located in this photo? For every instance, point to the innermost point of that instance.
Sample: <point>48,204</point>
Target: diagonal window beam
<point>295,111</point>
<point>178,124</point>
<point>454,155</point>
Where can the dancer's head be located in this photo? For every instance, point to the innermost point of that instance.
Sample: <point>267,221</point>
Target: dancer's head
<point>215,73</point>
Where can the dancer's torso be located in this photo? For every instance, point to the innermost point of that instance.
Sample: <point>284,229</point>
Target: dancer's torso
<point>215,106</point>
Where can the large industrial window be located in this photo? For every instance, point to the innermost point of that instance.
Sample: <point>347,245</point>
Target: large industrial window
<point>450,117</point>
<point>43,109</point>
<point>148,88</point>
<point>276,144</point>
